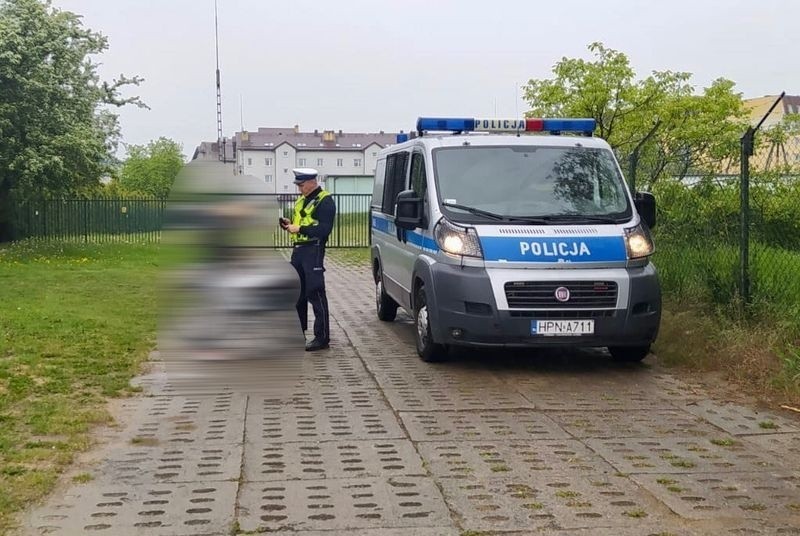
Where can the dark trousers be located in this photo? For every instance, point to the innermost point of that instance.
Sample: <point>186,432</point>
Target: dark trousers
<point>307,260</point>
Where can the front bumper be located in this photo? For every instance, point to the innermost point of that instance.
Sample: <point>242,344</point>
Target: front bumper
<point>465,302</point>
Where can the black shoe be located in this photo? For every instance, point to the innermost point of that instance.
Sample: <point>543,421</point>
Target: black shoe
<point>316,344</point>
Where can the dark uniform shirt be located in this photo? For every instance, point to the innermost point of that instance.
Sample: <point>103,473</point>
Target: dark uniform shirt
<point>324,214</point>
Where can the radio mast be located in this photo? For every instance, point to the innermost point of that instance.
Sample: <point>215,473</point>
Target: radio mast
<point>220,147</point>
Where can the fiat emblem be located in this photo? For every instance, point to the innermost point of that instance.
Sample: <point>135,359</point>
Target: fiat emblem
<point>562,294</point>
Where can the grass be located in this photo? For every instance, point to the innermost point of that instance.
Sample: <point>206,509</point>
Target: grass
<point>76,321</point>
<point>748,351</point>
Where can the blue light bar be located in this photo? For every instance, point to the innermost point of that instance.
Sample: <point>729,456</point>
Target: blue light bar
<point>569,125</point>
<point>402,138</point>
<point>448,124</point>
<point>554,125</point>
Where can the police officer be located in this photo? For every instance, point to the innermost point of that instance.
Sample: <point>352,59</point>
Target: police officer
<point>311,224</point>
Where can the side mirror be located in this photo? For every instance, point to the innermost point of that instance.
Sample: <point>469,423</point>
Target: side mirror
<point>408,210</point>
<point>645,203</point>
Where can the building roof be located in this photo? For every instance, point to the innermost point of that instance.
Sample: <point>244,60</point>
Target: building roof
<point>759,106</point>
<point>267,139</point>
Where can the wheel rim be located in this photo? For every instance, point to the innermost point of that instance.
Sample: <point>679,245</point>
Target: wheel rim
<point>378,292</point>
<point>422,325</point>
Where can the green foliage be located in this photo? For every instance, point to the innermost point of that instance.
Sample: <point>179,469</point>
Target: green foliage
<point>671,130</point>
<point>58,133</point>
<point>151,169</point>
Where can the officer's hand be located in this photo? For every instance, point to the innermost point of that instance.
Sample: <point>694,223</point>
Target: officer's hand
<point>292,228</point>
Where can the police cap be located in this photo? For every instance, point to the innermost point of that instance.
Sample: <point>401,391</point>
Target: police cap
<point>304,174</point>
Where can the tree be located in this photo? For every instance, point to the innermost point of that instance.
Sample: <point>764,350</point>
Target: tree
<point>58,133</point>
<point>658,126</point>
<point>151,169</point>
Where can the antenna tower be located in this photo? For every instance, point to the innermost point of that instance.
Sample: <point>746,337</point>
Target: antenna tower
<point>220,147</point>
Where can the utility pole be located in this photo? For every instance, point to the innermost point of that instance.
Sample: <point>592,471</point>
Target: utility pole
<point>220,148</point>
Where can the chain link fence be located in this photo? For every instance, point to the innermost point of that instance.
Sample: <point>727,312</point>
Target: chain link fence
<point>734,240</point>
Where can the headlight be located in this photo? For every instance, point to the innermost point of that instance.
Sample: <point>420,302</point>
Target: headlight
<point>457,240</point>
<point>638,242</point>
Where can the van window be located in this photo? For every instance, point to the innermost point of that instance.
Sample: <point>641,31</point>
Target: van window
<point>536,181</point>
<point>418,180</point>
<point>377,187</point>
<point>395,180</point>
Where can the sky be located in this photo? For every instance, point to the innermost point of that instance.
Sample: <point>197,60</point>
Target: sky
<point>366,66</point>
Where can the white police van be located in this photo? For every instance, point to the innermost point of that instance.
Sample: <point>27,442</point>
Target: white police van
<point>490,237</point>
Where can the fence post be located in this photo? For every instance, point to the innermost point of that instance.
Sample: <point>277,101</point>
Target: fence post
<point>744,233</point>
<point>633,161</point>
<point>747,149</point>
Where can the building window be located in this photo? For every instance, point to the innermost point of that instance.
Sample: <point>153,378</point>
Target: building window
<point>374,154</point>
<point>285,186</point>
<point>268,161</point>
<point>319,161</point>
<point>286,170</point>
<point>339,162</point>
<point>267,178</point>
<point>357,162</point>
<point>249,161</point>
<point>301,162</point>
<point>285,153</point>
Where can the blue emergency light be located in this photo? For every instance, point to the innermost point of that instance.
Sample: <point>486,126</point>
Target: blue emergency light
<point>552,125</point>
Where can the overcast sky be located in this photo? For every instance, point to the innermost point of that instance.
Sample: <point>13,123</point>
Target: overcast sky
<point>374,65</point>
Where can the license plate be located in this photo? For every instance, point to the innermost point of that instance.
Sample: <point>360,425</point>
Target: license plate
<point>562,328</point>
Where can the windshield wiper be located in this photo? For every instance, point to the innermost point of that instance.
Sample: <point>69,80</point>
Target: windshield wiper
<point>476,211</point>
<point>575,218</point>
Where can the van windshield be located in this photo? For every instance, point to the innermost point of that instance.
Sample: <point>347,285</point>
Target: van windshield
<point>527,182</point>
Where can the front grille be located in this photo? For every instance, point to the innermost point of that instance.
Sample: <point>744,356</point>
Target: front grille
<point>535,294</point>
<point>552,315</point>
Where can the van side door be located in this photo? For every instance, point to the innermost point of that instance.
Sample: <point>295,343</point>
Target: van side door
<point>396,180</point>
<point>415,240</point>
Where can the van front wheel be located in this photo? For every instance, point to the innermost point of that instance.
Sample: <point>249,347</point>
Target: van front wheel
<point>385,306</point>
<point>426,348</point>
<point>629,354</point>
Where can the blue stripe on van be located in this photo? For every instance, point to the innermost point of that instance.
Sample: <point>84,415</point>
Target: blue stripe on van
<point>383,225</point>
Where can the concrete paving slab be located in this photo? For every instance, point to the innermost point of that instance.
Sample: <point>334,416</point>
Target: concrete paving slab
<point>643,529</point>
<point>407,531</point>
<point>763,496</point>
<point>151,509</point>
<point>480,425</point>
<point>540,502</point>
<point>611,399</point>
<point>739,420</point>
<point>295,427</point>
<point>416,377</point>
<point>342,504</point>
<point>491,459</point>
<point>475,397</point>
<point>199,421</point>
<point>785,446</point>
<point>142,464</point>
<point>332,459</point>
<point>719,454</point>
<point>322,399</point>
<point>634,423</point>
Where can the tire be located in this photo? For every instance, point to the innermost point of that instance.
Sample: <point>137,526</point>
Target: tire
<point>629,354</point>
<point>428,350</point>
<point>385,306</point>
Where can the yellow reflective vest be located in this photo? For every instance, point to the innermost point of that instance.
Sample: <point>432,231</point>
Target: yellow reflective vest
<point>304,216</point>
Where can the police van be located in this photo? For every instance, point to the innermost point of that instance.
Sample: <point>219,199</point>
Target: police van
<point>513,233</point>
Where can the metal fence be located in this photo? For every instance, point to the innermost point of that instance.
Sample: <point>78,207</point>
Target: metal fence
<point>735,240</point>
<point>142,220</point>
<point>90,220</point>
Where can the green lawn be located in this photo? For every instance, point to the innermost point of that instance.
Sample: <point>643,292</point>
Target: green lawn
<point>75,323</point>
